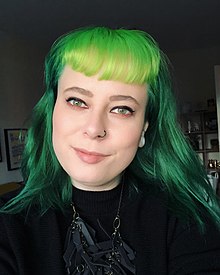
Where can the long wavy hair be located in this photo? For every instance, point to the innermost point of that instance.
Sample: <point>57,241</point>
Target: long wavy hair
<point>129,56</point>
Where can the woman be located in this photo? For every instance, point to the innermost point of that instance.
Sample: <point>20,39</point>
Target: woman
<point>111,185</point>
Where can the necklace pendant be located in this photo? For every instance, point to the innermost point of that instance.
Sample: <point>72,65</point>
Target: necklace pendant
<point>85,256</point>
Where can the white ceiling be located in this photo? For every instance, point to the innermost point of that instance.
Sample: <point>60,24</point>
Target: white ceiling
<point>175,24</point>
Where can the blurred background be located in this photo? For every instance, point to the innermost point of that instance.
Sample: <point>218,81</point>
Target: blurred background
<point>188,31</point>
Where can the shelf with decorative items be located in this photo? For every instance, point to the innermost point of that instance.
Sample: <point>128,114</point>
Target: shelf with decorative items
<point>201,128</point>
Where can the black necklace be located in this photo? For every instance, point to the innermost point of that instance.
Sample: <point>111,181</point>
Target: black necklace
<point>83,255</point>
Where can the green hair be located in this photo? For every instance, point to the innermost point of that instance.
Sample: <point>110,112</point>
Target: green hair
<point>167,160</point>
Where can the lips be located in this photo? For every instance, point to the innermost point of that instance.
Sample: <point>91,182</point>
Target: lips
<point>89,156</point>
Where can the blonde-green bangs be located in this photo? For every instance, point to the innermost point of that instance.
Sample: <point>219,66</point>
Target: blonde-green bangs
<point>129,56</point>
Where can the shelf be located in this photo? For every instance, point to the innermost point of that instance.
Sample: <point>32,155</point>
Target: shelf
<point>198,112</point>
<point>194,133</point>
<point>211,131</point>
<point>208,151</point>
<point>207,111</point>
<point>206,132</point>
<point>206,123</point>
<point>216,169</point>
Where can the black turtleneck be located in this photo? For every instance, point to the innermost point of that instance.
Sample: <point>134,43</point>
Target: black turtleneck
<point>99,208</point>
<point>164,245</point>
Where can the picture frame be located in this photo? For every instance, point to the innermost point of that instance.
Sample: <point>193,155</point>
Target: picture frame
<point>14,143</point>
<point>0,152</point>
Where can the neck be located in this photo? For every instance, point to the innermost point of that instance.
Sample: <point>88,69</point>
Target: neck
<point>102,186</point>
<point>96,202</point>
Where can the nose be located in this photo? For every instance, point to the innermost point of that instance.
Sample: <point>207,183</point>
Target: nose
<point>95,127</point>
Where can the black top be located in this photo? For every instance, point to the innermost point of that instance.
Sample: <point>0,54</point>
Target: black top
<point>163,244</point>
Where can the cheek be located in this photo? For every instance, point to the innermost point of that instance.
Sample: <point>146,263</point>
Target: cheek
<point>129,140</point>
<point>56,123</point>
<point>55,132</point>
<point>60,121</point>
<point>128,149</point>
<point>59,126</point>
<point>131,135</point>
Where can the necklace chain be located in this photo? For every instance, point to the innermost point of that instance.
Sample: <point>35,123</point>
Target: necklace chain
<point>83,255</point>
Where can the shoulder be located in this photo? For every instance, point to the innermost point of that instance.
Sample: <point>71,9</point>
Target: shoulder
<point>16,218</point>
<point>155,202</point>
<point>9,195</point>
<point>189,248</point>
<point>150,206</point>
<point>150,196</point>
<point>6,219</point>
<point>29,216</point>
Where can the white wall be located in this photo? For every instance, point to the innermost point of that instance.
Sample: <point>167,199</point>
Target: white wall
<point>21,85</point>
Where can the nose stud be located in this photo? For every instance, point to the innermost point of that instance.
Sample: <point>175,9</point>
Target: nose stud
<point>102,136</point>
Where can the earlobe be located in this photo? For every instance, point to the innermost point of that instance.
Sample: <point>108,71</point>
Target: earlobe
<point>142,140</point>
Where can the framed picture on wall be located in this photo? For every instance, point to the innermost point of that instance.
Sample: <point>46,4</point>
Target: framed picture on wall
<point>14,143</point>
<point>0,152</point>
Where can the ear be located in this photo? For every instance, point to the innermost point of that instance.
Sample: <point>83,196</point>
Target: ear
<point>142,139</point>
<point>146,126</point>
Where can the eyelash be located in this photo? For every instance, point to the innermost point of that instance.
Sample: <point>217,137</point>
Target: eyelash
<point>126,108</point>
<point>76,101</point>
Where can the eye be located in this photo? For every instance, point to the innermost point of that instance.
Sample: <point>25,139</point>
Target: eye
<point>122,110</point>
<point>74,101</point>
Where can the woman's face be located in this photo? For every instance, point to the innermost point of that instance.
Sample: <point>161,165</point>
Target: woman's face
<point>84,109</point>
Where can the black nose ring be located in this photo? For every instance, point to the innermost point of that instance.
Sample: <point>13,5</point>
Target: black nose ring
<point>103,135</point>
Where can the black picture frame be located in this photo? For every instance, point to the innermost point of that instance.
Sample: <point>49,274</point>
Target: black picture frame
<point>14,143</point>
<point>0,152</point>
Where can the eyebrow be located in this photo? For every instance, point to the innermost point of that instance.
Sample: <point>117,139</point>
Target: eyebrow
<point>123,97</point>
<point>112,98</point>
<point>80,91</point>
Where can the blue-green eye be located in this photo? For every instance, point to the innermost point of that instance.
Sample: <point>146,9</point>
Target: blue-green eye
<point>74,101</point>
<point>122,110</point>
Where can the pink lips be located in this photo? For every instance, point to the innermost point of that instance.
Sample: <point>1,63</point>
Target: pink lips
<point>89,157</point>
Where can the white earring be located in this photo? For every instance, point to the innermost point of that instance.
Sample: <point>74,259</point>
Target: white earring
<point>142,140</point>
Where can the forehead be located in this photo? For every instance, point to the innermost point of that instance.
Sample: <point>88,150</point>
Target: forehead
<point>70,78</point>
